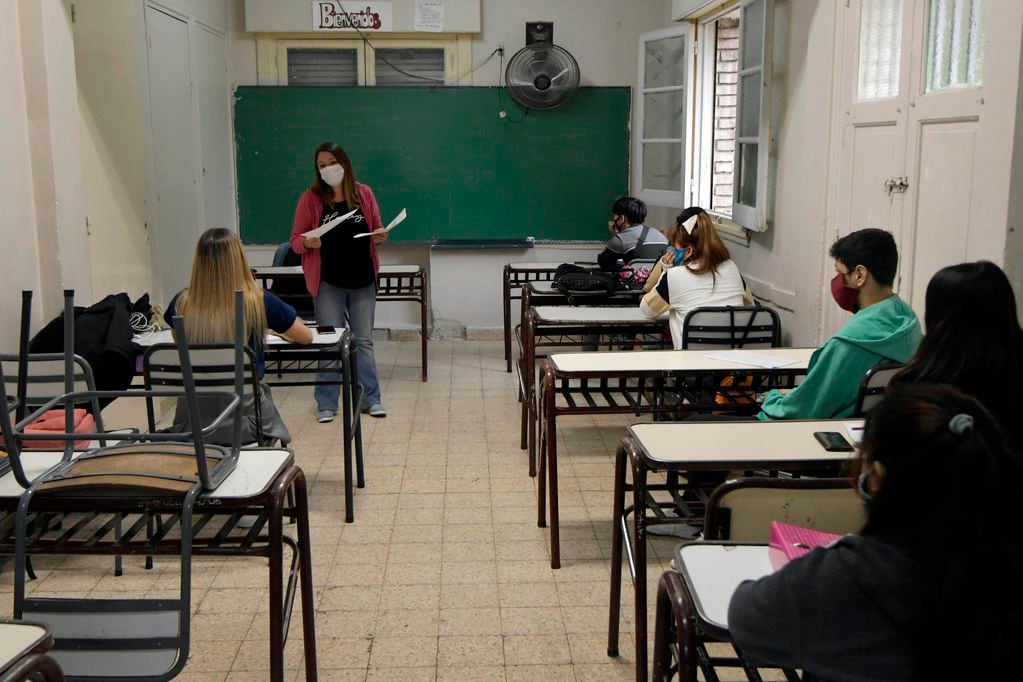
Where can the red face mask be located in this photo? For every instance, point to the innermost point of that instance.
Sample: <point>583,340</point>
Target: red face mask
<point>845,296</point>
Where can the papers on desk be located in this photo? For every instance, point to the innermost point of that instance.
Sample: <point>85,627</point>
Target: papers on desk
<point>398,220</point>
<point>327,227</point>
<point>152,338</point>
<point>752,358</point>
<point>855,432</point>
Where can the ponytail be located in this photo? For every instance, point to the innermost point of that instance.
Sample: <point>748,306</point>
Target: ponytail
<point>709,251</point>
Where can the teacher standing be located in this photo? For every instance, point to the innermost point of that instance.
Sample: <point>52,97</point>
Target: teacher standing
<point>341,270</point>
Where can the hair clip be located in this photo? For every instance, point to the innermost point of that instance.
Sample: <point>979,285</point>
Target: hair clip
<point>960,423</point>
<point>689,224</point>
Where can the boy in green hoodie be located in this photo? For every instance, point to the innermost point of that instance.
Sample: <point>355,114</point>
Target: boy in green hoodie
<point>883,328</point>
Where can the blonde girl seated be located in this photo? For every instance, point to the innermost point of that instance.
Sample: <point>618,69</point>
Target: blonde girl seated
<point>207,306</point>
<point>695,271</point>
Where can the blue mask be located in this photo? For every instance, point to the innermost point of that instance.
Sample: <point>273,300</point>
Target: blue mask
<point>680,255</point>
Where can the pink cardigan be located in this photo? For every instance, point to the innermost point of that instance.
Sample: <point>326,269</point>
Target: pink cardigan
<point>307,217</point>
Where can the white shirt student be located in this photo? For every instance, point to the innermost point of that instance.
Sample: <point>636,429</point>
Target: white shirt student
<point>696,272</point>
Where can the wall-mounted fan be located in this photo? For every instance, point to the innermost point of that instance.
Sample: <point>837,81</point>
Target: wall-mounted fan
<point>541,75</point>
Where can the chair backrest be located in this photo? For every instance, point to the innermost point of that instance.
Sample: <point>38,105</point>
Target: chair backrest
<point>716,327</point>
<point>45,380</point>
<point>873,386</point>
<point>213,372</point>
<point>281,254</point>
<point>741,510</point>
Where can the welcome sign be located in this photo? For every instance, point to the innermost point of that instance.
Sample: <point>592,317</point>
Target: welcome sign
<point>331,15</point>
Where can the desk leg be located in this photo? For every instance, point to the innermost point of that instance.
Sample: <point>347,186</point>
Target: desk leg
<point>617,541</point>
<point>360,470</point>
<point>551,435</point>
<point>639,561</point>
<point>277,625</point>
<point>424,336</point>
<point>347,427</point>
<point>306,576</point>
<point>506,301</point>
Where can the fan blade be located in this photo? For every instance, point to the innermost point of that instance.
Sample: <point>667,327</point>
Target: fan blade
<point>560,74</point>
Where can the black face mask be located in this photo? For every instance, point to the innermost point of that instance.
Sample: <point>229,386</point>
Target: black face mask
<point>863,490</point>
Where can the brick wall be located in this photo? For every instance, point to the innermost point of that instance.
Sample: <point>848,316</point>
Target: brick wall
<point>726,77</point>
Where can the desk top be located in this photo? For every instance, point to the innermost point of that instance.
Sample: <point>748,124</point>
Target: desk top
<point>673,360</point>
<point>712,573</point>
<point>18,639</point>
<point>279,270</point>
<point>255,471</point>
<point>546,286</point>
<point>165,336</point>
<point>737,444</point>
<point>593,314</point>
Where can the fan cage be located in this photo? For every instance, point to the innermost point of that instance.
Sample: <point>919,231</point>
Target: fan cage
<point>542,76</point>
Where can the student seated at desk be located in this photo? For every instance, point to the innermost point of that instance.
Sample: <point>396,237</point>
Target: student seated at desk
<point>695,271</point>
<point>930,589</point>
<point>882,329</point>
<point>630,238</point>
<point>973,342</point>
<point>207,306</point>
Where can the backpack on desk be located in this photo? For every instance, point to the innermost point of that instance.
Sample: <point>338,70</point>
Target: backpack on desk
<point>573,280</point>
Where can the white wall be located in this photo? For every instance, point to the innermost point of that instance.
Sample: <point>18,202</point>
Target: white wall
<point>785,265</point>
<point>19,264</point>
<point>43,218</point>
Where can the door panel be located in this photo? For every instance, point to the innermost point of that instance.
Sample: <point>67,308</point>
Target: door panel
<point>174,152</point>
<point>871,160</point>
<point>212,91</point>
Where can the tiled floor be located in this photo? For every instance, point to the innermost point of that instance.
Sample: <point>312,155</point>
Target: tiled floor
<point>444,575</point>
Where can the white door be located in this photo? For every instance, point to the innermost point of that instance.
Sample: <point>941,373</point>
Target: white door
<point>213,90</point>
<point>909,108</point>
<point>178,222</point>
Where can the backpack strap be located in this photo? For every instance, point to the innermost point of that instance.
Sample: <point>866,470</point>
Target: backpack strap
<point>642,237</point>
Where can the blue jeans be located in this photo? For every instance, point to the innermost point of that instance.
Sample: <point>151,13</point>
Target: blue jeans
<point>355,309</point>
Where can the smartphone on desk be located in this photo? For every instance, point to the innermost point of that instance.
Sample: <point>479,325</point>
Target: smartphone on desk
<point>325,329</point>
<point>833,441</point>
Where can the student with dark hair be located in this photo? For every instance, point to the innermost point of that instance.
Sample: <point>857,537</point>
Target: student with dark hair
<point>883,328</point>
<point>695,271</point>
<point>973,341</point>
<point>630,238</point>
<point>930,589</point>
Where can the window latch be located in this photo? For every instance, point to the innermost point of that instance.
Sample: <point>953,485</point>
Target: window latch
<point>897,185</point>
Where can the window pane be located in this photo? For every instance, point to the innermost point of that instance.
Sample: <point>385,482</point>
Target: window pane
<point>663,114</point>
<point>749,103</point>
<point>322,67</point>
<point>662,166</point>
<point>955,43</point>
<point>726,36</point>
<point>747,189</point>
<point>665,62</point>
<point>880,49</point>
<point>422,66</point>
<point>753,35</point>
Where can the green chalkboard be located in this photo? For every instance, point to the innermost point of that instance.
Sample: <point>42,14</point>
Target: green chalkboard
<point>445,154</point>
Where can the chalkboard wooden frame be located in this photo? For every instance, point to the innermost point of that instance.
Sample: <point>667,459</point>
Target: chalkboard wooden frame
<point>444,153</point>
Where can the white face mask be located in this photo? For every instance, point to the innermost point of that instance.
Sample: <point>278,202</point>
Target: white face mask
<point>333,175</point>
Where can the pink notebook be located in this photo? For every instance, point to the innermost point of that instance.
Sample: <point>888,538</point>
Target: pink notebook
<point>789,542</point>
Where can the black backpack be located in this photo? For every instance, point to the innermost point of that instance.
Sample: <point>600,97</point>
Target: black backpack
<point>573,280</point>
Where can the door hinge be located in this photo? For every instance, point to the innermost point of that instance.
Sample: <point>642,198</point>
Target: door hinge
<point>897,185</point>
<point>73,13</point>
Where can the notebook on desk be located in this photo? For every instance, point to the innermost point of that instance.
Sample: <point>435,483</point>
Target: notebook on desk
<point>790,542</point>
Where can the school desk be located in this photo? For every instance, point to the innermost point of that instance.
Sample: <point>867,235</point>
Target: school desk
<point>571,327</point>
<point>693,446</point>
<point>394,283</point>
<point>650,382</point>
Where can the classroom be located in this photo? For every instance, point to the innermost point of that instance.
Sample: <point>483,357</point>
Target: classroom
<point>469,432</point>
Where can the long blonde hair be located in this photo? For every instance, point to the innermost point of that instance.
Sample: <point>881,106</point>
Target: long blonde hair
<point>218,270</point>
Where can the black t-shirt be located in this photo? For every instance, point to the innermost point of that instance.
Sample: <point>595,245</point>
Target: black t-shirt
<point>344,261</point>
